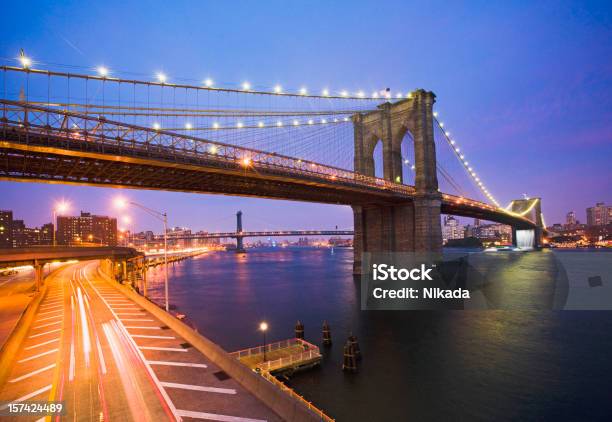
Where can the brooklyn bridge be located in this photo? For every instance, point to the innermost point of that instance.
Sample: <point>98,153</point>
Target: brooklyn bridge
<point>99,130</point>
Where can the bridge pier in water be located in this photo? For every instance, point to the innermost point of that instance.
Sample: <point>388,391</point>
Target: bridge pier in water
<point>411,226</point>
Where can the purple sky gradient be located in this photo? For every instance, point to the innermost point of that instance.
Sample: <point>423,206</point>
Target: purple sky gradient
<point>526,89</point>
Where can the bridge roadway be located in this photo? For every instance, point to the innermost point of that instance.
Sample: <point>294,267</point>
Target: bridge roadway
<point>47,145</point>
<point>108,359</point>
<point>46,254</point>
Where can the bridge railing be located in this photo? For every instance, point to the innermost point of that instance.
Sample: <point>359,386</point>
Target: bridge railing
<point>66,129</point>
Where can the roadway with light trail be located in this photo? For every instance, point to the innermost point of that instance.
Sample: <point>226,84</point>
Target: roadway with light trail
<point>108,359</point>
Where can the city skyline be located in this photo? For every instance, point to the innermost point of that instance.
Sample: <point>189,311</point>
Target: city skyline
<point>546,153</point>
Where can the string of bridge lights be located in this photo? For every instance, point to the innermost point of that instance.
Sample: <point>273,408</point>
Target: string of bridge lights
<point>461,156</point>
<point>259,125</point>
<point>246,87</point>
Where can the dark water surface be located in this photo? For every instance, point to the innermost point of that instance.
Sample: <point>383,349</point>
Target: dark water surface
<point>417,365</point>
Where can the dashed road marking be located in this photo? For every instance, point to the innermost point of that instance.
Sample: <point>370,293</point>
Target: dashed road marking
<point>31,374</point>
<point>189,364</point>
<point>44,334</point>
<point>48,352</point>
<point>215,417</point>
<point>199,388</point>
<point>41,344</point>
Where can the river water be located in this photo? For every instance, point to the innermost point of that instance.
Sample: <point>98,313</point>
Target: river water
<point>516,364</point>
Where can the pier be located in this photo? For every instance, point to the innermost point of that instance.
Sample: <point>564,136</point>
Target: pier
<point>286,355</point>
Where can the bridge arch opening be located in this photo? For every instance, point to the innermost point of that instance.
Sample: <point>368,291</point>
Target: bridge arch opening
<point>377,158</point>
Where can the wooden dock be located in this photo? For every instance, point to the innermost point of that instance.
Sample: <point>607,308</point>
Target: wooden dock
<point>286,355</point>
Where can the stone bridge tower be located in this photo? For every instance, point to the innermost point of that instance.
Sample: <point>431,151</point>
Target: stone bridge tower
<point>404,227</point>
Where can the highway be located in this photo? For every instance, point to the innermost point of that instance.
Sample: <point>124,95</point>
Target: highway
<point>108,359</point>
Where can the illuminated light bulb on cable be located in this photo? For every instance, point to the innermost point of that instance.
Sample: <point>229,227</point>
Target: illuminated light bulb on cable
<point>278,89</point>
<point>413,168</point>
<point>208,82</point>
<point>441,124</point>
<point>361,94</point>
<point>295,123</point>
<point>239,125</point>
<point>303,91</point>
<point>447,133</point>
<point>103,71</point>
<point>161,77</point>
<point>25,61</point>
<point>435,114</point>
<point>406,162</point>
<point>336,120</point>
<point>188,126</point>
<point>310,122</point>
<point>215,125</point>
<point>325,92</point>
<point>260,124</point>
<point>398,95</point>
<point>279,123</point>
<point>457,149</point>
<point>344,93</point>
<point>212,149</point>
<point>246,86</point>
<point>156,126</point>
<point>323,121</point>
<point>375,94</point>
<point>452,142</point>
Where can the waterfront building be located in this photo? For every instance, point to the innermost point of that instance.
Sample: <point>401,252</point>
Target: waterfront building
<point>570,220</point>
<point>6,229</point>
<point>452,229</point>
<point>86,228</point>
<point>599,215</point>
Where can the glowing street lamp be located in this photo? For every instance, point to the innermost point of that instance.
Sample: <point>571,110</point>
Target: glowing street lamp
<point>25,61</point>
<point>59,208</point>
<point>263,327</point>
<point>122,203</point>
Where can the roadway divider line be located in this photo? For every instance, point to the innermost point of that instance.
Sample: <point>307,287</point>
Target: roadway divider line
<point>48,332</point>
<point>137,319</point>
<point>45,308</point>
<point>50,312</point>
<point>188,364</point>
<point>199,388</point>
<point>51,317</point>
<point>163,349</point>
<point>215,417</point>
<point>47,325</point>
<point>48,352</point>
<point>41,344</point>
<point>31,374</point>
<point>28,396</point>
<point>146,336</point>
<point>144,328</point>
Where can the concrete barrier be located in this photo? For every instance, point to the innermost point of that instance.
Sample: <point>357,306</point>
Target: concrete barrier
<point>287,407</point>
<point>17,337</point>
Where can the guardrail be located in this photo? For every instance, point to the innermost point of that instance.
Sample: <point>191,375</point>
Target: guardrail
<point>295,395</point>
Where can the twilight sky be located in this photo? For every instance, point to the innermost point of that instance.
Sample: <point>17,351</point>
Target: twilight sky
<point>526,88</point>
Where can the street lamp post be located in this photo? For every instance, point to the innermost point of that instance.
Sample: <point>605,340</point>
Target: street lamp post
<point>264,327</point>
<point>162,216</point>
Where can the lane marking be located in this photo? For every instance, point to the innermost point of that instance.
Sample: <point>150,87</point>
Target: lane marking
<point>163,349</point>
<point>48,332</point>
<point>55,311</point>
<point>28,396</point>
<point>146,336</point>
<point>214,416</point>
<point>31,374</point>
<point>47,325</point>
<point>166,363</point>
<point>48,352</point>
<point>41,344</point>
<point>47,308</point>
<point>47,318</point>
<point>144,328</point>
<point>137,319</point>
<point>199,388</point>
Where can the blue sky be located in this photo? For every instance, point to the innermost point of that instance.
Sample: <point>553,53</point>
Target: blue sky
<point>525,88</point>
